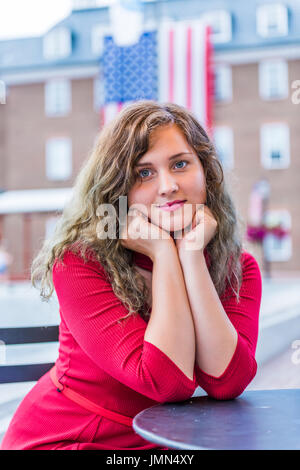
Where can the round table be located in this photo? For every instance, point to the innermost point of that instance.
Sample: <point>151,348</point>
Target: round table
<point>256,420</point>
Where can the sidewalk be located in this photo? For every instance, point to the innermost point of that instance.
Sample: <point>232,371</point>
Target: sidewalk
<point>279,372</point>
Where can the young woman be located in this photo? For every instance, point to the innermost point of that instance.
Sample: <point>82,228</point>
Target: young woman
<point>144,319</point>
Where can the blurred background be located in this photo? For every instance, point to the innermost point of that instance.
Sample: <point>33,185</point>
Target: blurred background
<point>67,67</point>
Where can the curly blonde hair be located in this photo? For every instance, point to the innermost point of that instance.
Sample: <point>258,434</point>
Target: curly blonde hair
<point>107,174</point>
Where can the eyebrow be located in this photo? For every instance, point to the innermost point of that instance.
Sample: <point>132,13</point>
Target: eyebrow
<point>170,158</point>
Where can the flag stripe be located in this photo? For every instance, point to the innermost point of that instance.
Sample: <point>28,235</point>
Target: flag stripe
<point>163,46</point>
<point>180,43</point>
<point>189,69</point>
<point>188,82</point>
<point>199,83</point>
<point>171,66</point>
<point>210,81</point>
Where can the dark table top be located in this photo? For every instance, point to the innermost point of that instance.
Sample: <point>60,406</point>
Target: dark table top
<point>256,420</point>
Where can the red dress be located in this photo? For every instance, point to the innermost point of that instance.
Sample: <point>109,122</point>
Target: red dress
<point>110,364</point>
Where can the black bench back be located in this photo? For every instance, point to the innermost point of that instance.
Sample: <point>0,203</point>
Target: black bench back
<point>25,335</point>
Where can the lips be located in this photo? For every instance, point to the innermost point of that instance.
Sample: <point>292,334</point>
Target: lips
<point>169,204</point>
<point>172,206</point>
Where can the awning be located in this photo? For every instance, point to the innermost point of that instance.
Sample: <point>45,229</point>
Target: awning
<point>34,200</point>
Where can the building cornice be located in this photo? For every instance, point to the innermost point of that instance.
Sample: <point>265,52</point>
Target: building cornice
<point>34,200</point>
<point>238,56</point>
<point>42,74</point>
<point>248,55</point>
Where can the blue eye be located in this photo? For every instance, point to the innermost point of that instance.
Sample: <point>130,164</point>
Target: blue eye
<point>145,169</point>
<point>181,161</point>
<point>148,169</point>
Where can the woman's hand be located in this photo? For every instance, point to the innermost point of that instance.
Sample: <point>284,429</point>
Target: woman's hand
<point>204,228</point>
<point>142,236</point>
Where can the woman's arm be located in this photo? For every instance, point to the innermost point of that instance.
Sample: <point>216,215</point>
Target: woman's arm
<point>171,327</point>
<point>216,337</point>
<point>227,331</point>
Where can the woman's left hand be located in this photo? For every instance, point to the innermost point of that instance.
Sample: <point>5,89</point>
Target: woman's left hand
<point>204,228</point>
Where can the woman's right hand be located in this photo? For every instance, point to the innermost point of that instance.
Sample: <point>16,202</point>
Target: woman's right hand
<point>142,236</point>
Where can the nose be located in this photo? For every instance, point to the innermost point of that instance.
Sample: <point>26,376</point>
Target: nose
<point>167,185</point>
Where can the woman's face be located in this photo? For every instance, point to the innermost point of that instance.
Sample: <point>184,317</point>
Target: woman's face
<point>170,170</point>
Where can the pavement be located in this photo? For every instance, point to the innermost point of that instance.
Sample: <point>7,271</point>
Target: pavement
<point>283,371</point>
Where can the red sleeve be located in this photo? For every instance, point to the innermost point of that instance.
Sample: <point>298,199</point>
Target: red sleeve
<point>244,317</point>
<point>91,311</point>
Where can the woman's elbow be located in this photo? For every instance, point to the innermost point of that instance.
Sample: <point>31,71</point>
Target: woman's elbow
<point>232,390</point>
<point>175,395</point>
<point>227,395</point>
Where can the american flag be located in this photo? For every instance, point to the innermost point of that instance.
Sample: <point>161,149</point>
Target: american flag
<point>170,64</point>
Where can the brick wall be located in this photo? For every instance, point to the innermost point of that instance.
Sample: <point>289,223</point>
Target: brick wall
<point>28,129</point>
<point>245,114</point>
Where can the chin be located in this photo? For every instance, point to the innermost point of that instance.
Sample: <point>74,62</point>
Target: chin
<point>174,223</point>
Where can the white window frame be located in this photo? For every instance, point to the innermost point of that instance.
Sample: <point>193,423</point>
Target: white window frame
<point>57,43</point>
<point>268,134</point>
<point>224,133</point>
<point>223,77</point>
<point>225,21</point>
<point>86,4</point>
<point>98,34</point>
<point>58,97</point>
<point>278,249</point>
<point>265,79</point>
<point>56,170</point>
<point>263,15</point>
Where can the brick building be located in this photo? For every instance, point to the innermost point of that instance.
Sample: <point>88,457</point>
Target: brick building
<point>51,114</point>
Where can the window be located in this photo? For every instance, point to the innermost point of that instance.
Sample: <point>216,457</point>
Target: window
<point>223,139</point>
<point>273,79</point>
<point>220,23</point>
<point>58,97</point>
<point>223,83</point>
<point>275,146</point>
<point>83,4</point>
<point>58,159</point>
<point>97,38</point>
<point>272,20</point>
<point>57,43</point>
<point>278,248</point>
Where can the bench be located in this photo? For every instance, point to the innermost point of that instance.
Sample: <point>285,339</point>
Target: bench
<point>25,335</point>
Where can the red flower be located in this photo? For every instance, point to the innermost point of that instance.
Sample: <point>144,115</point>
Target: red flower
<point>257,234</point>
